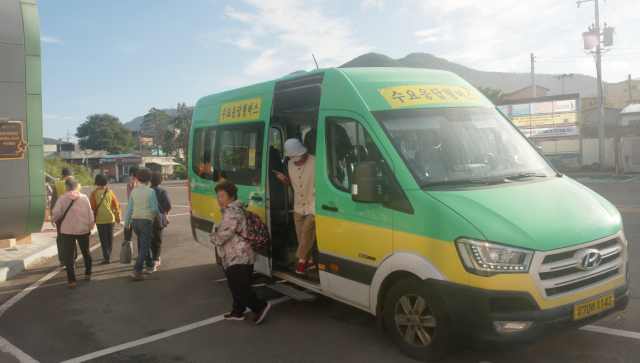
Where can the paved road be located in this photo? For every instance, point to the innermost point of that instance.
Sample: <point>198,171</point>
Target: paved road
<point>54,323</point>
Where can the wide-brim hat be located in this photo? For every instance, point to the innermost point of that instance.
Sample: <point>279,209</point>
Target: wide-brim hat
<point>294,147</point>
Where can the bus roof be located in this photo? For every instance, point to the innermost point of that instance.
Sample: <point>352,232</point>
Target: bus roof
<point>381,88</point>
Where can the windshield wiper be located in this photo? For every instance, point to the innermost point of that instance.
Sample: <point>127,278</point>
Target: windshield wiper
<point>525,175</point>
<point>464,181</point>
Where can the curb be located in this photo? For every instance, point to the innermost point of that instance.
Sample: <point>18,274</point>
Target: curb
<point>34,258</point>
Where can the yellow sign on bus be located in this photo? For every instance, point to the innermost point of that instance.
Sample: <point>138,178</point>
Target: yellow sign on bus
<point>403,96</point>
<point>241,110</point>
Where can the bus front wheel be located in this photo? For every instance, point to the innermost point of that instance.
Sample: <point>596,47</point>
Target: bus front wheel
<point>416,322</point>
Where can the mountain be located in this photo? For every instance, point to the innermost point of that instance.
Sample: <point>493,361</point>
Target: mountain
<point>507,82</point>
<point>134,125</point>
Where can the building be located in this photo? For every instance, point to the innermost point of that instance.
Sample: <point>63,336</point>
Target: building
<point>590,121</point>
<point>72,154</point>
<point>622,94</point>
<point>630,115</point>
<point>117,166</point>
<point>526,93</point>
<point>22,190</point>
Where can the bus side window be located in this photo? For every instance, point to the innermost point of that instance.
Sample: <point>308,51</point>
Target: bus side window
<point>348,143</point>
<point>237,154</point>
<point>196,151</point>
<point>203,145</point>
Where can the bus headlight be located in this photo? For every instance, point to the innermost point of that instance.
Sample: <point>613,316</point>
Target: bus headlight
<point>487,258</point>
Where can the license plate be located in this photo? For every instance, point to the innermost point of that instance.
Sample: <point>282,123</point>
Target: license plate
<point>594,306</point>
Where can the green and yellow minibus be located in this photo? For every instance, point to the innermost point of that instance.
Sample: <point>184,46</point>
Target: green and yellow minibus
<point>433,212</point>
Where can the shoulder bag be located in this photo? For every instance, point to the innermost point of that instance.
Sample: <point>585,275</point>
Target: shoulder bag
<point>59,223</point>
<point>95,212</point>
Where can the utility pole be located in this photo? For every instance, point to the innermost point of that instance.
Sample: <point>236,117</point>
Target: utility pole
<point>630,91</point>
<point>533,77</point>
<point>562,77</point>
<point>596,32</point>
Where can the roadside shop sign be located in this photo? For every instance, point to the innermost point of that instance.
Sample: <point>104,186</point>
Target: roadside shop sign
<point>12,144</point>
<point>542,120</point>
<point>128,160</point>
<point>564,158</point>
<point>547,132</point>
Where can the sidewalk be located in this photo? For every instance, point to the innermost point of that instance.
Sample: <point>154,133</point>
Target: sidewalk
<point>19,258</point>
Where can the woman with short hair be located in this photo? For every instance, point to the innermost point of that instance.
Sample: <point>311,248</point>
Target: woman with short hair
<point>107,212</point>
<point>236,253</point>
<point>73,214</point>
<point>142,211</point>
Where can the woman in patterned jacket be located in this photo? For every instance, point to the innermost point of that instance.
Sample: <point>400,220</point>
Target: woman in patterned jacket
<point>237,256</point>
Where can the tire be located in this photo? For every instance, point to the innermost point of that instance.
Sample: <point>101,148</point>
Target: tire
<point>426,339</point>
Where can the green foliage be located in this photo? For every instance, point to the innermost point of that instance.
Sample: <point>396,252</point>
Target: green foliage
<point>105,132</point>
<point>157,123</point>
<point>493,94</point>
<point>590,103</point>
<point>277,144</point>
<point>53,167</point>
<point>180,172</point>
<point>181,126</point>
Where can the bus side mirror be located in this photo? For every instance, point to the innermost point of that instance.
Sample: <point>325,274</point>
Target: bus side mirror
<point>367,186</point>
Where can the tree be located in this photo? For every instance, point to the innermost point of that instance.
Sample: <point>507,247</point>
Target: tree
<point>591,103</point>
<point>105,132</point>
<point>181,125</point>
<point>493,94</point>
<point>53,167</point>
<point>157,123</point>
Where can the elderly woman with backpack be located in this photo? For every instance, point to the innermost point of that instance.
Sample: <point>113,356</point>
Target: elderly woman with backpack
<point>236,253</point>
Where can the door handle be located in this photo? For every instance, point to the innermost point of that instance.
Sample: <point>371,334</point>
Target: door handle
<point>326,207</point>
<point>255,197</point>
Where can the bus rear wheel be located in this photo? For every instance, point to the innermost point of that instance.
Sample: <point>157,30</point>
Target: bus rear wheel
<point>415,321</point>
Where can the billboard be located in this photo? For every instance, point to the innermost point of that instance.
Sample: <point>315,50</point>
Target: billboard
<point>567,131</point>
<point>564,159</point>
<point>546,119</point>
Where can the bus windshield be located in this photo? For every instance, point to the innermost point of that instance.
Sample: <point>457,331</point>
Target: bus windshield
<point>459,145</point>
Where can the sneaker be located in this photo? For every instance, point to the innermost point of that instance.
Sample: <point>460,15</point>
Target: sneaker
<point>233,316</point>
<point>310,265</point>
<point>157,263</point>
<point>261,314</point>
<point>72,285</point>
<point>151,270</point>
<point>105,262</point>
<point>87,277</point>
<point>138,276</point>
<point>301,268</point>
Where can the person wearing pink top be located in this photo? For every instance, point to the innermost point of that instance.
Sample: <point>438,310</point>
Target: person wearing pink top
<point>74,216</point>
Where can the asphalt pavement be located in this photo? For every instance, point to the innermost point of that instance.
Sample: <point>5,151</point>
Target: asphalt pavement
<point>174,315</point>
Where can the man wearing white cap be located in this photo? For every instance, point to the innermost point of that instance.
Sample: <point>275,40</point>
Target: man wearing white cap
<point>302,175</point>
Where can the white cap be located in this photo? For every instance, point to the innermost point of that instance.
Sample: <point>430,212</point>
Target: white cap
<point>294,147</point>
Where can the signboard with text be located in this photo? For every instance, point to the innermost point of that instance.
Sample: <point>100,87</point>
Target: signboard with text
<point>551,132</point>
<point>564,159</point>
<point>546,119</point>
<point>128,160</point>
<point>12,144</point>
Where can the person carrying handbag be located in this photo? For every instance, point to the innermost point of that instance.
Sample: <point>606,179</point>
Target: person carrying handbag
<point>106,212</point>
<point>164,203</point>
<point>74,216</point>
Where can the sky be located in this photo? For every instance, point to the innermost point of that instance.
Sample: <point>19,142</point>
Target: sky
<point>125,57</point>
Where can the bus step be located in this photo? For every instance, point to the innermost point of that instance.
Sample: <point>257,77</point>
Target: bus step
<point>292,292</point>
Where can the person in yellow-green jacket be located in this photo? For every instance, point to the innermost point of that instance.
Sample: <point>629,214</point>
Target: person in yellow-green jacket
<point>59,189</point>
<point>107,211</point>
